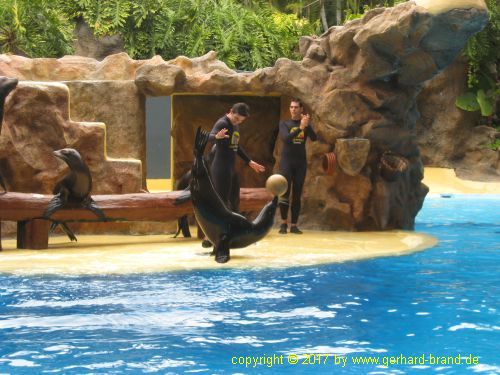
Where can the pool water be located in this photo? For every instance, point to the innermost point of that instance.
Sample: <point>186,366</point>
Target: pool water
<point>403,311</point>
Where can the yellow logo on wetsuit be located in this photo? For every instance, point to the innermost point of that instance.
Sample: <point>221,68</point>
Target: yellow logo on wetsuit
<point>235,140</point>
<point>299,138</point>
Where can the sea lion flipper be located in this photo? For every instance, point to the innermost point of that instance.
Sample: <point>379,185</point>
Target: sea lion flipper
<point>183,197</point>
<point>182,222</point>
<point>201,141</point>
<point>178,230</point>
<point>64,228</point>
<point>183,226</point>
<point>91,205</point>
<point>68,231</point>
<point>222,250</point>
<point>53,226</point>
<point>55,204</point>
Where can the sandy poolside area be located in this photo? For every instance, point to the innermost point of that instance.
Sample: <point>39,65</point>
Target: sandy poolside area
<point>444,180</point>
<point>139,254</point>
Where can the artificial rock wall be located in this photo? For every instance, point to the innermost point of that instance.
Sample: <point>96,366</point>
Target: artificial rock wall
<point>360,80</point>
<point>450,137</point>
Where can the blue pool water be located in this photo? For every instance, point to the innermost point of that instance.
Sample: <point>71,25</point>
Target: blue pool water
<point>440,302</point>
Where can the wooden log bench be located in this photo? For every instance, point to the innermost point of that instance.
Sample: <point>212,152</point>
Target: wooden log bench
<point>33,230</point>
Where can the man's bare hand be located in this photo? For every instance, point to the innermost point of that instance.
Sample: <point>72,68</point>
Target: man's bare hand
<point>304,121</point>
<point>221,134</point>
<point>256,167</point>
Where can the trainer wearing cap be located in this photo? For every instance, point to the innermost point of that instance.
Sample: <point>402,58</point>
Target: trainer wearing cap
<point>226,134</point>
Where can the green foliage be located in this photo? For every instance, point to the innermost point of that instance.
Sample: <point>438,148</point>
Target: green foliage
<point>245,37</point>
<point>495,146</point>
<point>357,8</point>
<point>485,103</point>
<point>478,101</point>
<point>337,12</point>
<point>483,53</point>
<point>468,102</point>
<point>36,28</point>
<point>353,12</point>
<point>483,49</point>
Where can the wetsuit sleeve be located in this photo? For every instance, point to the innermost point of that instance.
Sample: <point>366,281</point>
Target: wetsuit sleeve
<point>285,134</point>
<point>243,154</point>
<point>311,133</point>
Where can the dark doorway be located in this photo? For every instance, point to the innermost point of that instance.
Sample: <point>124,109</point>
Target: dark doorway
<point>158,145</point>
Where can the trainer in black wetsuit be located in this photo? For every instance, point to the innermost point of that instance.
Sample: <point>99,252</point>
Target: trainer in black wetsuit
<point>226,133</point>
<point>293,163</point>
<point>224,176</point>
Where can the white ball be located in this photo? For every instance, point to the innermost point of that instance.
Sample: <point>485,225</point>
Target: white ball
<point>276,184</point>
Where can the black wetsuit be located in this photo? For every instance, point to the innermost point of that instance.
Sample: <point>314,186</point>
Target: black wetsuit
<point>293,164</point>
<point>223,174</point>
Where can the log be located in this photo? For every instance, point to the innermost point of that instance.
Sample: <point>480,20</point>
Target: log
<point>118,207</point>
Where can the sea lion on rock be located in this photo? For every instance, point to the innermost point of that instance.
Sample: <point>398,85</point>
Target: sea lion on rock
<point>74,188</point>
<point>225,229</point>
<point>6,86</point>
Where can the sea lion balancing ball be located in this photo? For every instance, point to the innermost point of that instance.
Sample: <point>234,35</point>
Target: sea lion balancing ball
<point>276,185</point>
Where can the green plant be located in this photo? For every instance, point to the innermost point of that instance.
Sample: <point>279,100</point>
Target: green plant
<point>483,53</point>
<point>245,37</point>
<point>357,8</point>
<point>34,28</point>
<point>479,101</point>
<point>495,146</point>
<point>354,13</point>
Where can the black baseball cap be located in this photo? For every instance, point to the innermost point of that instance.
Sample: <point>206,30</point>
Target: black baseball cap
<point>241,108</point>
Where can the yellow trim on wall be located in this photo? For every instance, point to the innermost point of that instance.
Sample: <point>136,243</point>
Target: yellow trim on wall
<point>159,184</point>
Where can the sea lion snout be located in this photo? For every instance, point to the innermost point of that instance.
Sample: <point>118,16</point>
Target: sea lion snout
<point>58,154</point>
<point>69,155</point>
<point>7,85</point>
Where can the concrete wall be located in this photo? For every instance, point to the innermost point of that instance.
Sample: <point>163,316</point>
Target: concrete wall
<point>120,106</point>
